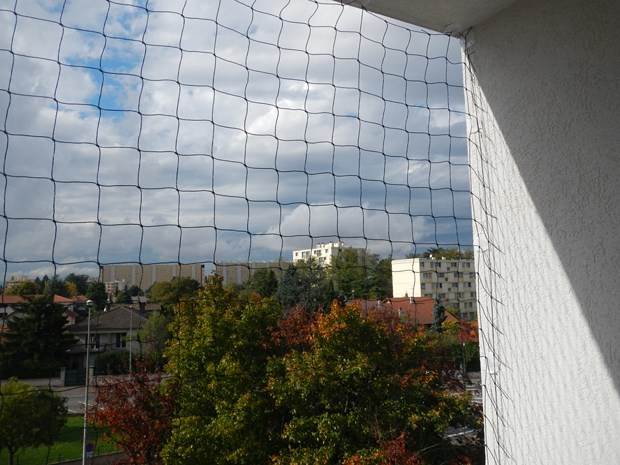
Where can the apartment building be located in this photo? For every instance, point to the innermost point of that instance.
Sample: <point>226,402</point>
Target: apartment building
<point>452,281</point>
<point>118,277</point>
<point>239,273</point>
<point>322,253</point>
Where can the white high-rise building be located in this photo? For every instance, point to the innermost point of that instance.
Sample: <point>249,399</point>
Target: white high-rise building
<point>322,253</point>
<point>452,281</point>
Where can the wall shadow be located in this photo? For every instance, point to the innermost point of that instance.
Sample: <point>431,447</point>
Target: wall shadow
<point>551,74</point>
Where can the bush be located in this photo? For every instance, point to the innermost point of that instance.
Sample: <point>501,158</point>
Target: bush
<point>112,363</point>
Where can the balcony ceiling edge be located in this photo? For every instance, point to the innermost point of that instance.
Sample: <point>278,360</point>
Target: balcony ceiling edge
<point>450,16</point>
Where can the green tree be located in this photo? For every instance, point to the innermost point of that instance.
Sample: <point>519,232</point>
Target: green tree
<point>153,337</point>
<point>361,383</point>
<point>312,388</point>
<point>174,291</point>
<point>447,253</point>
<point>135,291</point>
<point>55,286</point>
<point>381,279</point>
<point>37,340</point>
<point>123,297</point>
<point>23,288</point>
<point>360,274</point>
<point>306,284</point>
<point>96,293</point>
<point>264,282</point>
<point>28,417</point>
<point>350,270</point>
<point>80,281</point>
<point>224,415</point>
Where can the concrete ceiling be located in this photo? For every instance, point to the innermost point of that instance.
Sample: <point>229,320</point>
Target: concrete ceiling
<point>451,16</point>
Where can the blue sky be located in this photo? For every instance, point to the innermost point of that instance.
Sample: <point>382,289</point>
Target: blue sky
<point>224,130</point>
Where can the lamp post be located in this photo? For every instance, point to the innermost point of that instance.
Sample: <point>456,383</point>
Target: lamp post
<point>89,305</point>
<point>130,339</point>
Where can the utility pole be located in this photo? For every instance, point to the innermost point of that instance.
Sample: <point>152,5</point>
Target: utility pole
<point>130,339</point>
<point>89,305</point>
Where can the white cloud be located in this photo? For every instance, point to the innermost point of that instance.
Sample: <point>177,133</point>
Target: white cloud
<point>228,122</point>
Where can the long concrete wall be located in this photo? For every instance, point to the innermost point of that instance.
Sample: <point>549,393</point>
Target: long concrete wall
<point>546,159</point>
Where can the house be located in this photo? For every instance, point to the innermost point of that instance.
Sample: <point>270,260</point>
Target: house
<point>418,311</point>
<point>9,304</point>
<point>112,330</point>
<point>10,307</point>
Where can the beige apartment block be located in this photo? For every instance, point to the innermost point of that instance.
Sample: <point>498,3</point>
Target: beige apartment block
<point>453,282</point>
<point>239,273</point>
<point>144,276</point>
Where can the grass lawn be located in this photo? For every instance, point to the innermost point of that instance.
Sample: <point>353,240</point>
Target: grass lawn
<point>68,446</point>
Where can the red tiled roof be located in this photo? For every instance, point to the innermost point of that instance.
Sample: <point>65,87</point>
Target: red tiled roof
<point>418,310</point>
<point>58,299</point>
<point>12,299</point>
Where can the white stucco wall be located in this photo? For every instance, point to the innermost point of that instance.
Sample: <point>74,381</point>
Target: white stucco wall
<point>546,157</point>
<point>549,76</point>
<point>406,278</point>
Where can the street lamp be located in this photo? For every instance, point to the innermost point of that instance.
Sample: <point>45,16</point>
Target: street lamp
<point>89,305</point>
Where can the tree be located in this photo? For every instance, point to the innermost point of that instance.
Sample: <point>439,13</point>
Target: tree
<point>309,388</point>
<point>55,286</point>
<point>28,417</point>
<point>123,297</point>
<point>71,288</point>
<point>381,279</point>
<point>137,412</point>
<point>153,336</point>
<point>439,316</point>
<point>305,284</point>
<point>447,253</point>
<point>80,281</point>
<point>264,282</point>
<point>23,288</point>
<point>349,270</point>
<point>96,292</point>
<point>37,340</point>
<point>367,390</point>
<point>135,291</point>
<point>224,415</point>
<point>115,362</point>
<point>359,274</point>
<point>173,292</point>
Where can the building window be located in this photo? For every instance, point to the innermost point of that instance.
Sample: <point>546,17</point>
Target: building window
<point>121,340</point>
<point>455,264</point>
<point>441,275</point>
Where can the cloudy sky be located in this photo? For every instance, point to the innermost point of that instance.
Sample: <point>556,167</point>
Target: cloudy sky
<point>209,131</point>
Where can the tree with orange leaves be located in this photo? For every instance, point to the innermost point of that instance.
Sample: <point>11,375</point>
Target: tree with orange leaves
<point>137,412</point>
<point>335,387</point>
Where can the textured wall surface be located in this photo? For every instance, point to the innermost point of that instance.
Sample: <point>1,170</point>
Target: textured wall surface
<point>549,199</point>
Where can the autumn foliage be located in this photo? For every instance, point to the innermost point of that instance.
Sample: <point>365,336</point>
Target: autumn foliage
<point>251,385</point>
<point>340,387</point>
<point>137,412</point>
